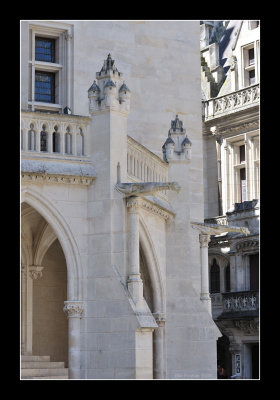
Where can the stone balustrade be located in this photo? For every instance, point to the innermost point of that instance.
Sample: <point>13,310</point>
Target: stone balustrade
<point>231,102</point>
<point>54,135</point>
<point>240,301</point>
<point>145,166</point>
<point>220,220</point>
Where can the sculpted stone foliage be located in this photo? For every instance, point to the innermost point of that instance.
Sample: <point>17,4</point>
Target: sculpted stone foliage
<point>73,308</point>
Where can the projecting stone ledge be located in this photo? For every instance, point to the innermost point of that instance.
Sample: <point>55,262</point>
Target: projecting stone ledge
<point>216,229</point>
<point>57,172</point>
<point>146,188</point>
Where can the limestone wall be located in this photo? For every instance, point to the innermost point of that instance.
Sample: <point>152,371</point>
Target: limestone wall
<point>160,63</point>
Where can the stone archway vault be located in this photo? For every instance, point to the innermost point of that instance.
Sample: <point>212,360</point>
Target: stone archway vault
<point>74,305</point>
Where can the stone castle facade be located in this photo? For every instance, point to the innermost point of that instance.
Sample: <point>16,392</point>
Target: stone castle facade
<point>116,216</point>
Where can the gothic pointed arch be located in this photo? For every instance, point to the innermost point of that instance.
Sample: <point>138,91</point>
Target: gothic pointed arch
<point>152,264</point>
<point>45,206</point>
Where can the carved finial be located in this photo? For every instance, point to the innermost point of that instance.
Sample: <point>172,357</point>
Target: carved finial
<point>124,88</point>
<point>176,125</point>
<point>94,87</point>
<point>109,65</point>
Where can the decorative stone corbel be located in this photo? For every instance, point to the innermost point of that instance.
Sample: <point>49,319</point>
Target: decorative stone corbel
<point>146,188</point>
<point>35,271</point>
<point>74,308</point>
<point>177,146</point>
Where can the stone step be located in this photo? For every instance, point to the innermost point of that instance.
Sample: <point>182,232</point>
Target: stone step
<point>46,377</point>
<point>35,358</point>
<point>37,372</point>
<point>42,364</point>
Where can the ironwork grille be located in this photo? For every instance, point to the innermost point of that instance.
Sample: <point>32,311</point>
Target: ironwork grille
<point>44,49</point>
<point>45,87</point>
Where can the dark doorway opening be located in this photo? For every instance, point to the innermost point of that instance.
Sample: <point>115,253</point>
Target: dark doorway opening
<point>255,361</point>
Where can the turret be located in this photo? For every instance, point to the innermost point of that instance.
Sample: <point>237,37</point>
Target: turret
<point>93,95</point>
<point>110,92</point>
<point>177,146</point>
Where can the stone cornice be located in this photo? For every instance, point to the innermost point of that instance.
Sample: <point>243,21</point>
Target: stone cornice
<point>37,177</point>
<point>248,326</point>
<point>69,118</point>
<point>240,121</point>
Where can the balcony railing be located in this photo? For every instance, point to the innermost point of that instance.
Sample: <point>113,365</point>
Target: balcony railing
<point>145,166</point>
<point>236,302</point>
<point>220,220</point>
<point>231,102</point>
<point>54,135</point>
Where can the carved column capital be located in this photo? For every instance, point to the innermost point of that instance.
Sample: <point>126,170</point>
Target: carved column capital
<point>35,271</point>
<point>133,203</point>
<point>204,239</point>
<point>160,318</point>
<point>74,308</point>
<point>67,36</point>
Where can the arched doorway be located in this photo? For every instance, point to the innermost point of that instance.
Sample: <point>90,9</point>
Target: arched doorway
<point>74,306</point>
<point>44,325</point>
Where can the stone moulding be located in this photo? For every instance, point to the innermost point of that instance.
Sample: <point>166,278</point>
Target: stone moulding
<point>73,308</point>
<point>248,326</point>
<point>152,205</point>
<point>55,172</point>
<point>46,178</point>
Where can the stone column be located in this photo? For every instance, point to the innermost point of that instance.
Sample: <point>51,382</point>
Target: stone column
<point>233,282</point>
<point>23,308</point>
<point>50,142</point>
<point>34,272</point>
<point>74,143</point>
<point>219,141</point>
<point>134,282</point>
<point>62,143</point>
<point>204,295</point>
<point>74,310</point>
<point>159,350</point>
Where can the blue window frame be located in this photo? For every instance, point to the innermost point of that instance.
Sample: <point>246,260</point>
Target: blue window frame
<point>45,86</point>
<point>44,49</point>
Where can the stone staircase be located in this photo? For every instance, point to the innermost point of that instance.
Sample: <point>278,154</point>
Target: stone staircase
<point>40,367</point>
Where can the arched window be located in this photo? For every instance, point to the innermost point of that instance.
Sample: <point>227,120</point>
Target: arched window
<point>43,139</point>
<point>31,138</point>
<point>56,140</point>
<point>215,277</point>
<point>227,278</point>
<point>80,143</point>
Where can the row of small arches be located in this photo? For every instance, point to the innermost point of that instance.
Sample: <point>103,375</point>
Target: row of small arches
<point>56,138</point>
<point>141,170</point>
